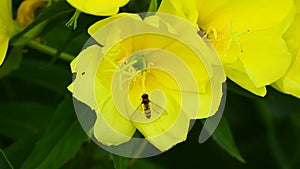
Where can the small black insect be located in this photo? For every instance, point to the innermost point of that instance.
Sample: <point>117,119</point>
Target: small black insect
<point>148,107</point>
<point>145,102</point>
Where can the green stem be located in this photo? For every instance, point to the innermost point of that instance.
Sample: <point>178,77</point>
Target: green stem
<point>268,121</point>
<point>49,51</point>
<point>138,153</point>
<point>5,162</point>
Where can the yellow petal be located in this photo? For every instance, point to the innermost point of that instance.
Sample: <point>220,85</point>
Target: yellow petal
<point>27,11</point>
<point>292,36</point>
<point>200,69</point>
<point>3,47</point>
<point>168,130</point>
<point>156,56</point>
<point>248,38</point>
<point>6,15</point>
<point>107,32</point>
<point>266,57</point>
<point>111,128</point>
<point>101,23</point>
<point>85,66</point>
<point>237,73</point>
<point>168,124</point>
<point>253,15</point>
<point>207,8</point>
<point>6,27</point>
<point>99,7</point>
<point>290,83</point>
<point>183,9</point>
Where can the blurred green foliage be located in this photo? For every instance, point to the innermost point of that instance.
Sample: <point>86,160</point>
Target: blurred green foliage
<point>39,128</point>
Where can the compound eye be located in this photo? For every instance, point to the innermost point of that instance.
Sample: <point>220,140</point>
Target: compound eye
<point>145,96</point>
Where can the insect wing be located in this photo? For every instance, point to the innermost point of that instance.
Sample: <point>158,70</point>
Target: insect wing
<point>138,112</point>
<point>157,108</point>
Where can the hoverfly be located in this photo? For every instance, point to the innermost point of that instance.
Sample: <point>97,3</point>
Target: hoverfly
<point>145,102</point>
<point>148,107</point>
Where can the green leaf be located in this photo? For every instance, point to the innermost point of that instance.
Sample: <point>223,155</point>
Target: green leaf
<point>30,34</point>
<point>18,151</point>
<point>12,62</point>
<point>72,40</point>
<point>280,116</point>
<point>153,6</point>
<point>4,163</point>
<point>60,142</point>
<point>144,164</point>
<point>19,119</point>
<point>53,77</point>
<point>224,139</point>
<point>136,6</point>
<point>276,101</point>
<point>58,9</point>
<point>120,162</point>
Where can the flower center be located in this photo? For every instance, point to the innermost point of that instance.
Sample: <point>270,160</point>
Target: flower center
<point>133,67</point>
<point>227,41</point>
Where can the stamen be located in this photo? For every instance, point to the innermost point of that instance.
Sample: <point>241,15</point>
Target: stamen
<point>234,36</point>
<point>122,70</point>
<point>212,30</point>
<point>137,65</point>
<point>144,80</point>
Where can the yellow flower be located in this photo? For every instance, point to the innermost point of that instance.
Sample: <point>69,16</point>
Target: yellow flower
<point>98,7</point>
<point>6,27</point>
<point>246,34</point>
<point>26,11</point>
<point>141,61</point>
<point>290,83</point>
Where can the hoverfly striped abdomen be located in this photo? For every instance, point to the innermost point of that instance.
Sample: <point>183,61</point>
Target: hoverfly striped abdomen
<point>146,102</point>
